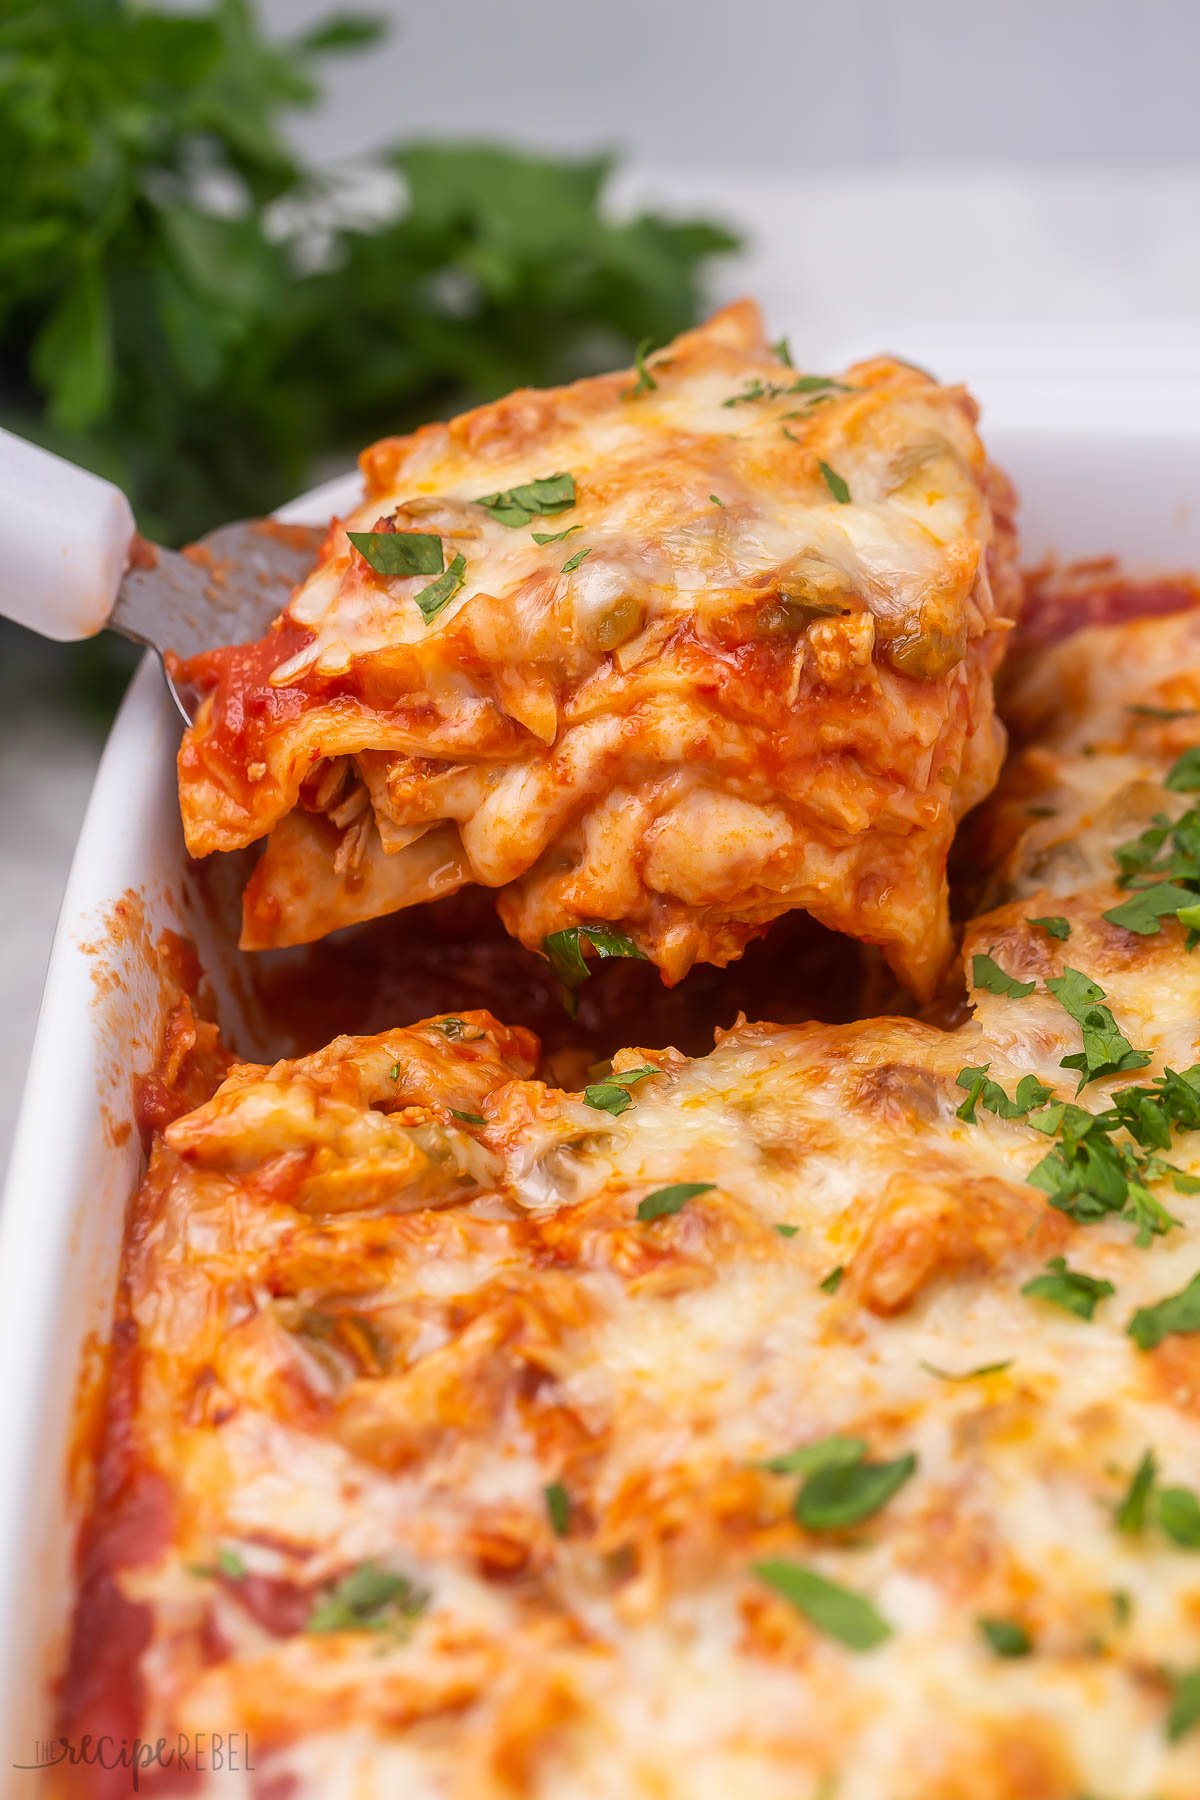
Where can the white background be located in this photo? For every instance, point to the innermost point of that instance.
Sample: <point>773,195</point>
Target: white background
<point>931,177</point>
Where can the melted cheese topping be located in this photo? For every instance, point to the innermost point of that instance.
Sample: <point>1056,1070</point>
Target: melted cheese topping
<point>366,1328</point>
<point>731,690</point>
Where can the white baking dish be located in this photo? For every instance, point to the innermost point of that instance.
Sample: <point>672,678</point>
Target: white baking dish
<point>1105,451</point>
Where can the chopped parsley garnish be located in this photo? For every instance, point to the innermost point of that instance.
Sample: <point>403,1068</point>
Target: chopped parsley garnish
<point>1090,1174</point>
<point>558,1508</point>
<point>1093,1170</point>
<point>1162,864</point>
<point>400,552</point>
<point>573,562</point>
<point>468,1118</point>
<point>818,384</point>
<point>1176,1509</point>
<point>564,952</point>
<point>823,385</point>
<point>645,383</point>
<point>834,482</point>
<point>1006,1637</point>
<point>837,1611</point>
<point>783,350</point>
<point>432,598</point>
<point>226,1562</point>
<point>822,1453</point>
<point>516,506</point>
<point>992,1368</point>
<point>844,1492</point>
<point>1177,1315</point>
<point>987,974</point>
<point>1185,1705</point>
<point>1179,1516</point>
<point>716,499</point>
<point>553,537</point>
<point>833,1281</point>
<point>672,1199</point>
<point>1130,1515</point>
<point>1106,1049</point>
<point>368,1599</point>
<point>786,1231</point>
<point>1054,925</point>
<point>1147,907</point>
<point>981,1091</point>
<point>611,1095</point>
<point>756,390</point>
<point>1070,1289</point>
<point>394,1072</point>
<point>1184,775</point>
<point>1164,713</point>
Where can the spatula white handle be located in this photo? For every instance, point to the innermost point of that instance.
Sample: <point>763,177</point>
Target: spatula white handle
<point>65,537</point>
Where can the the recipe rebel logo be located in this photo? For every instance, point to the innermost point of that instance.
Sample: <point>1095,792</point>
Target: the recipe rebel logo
<point>198,1753</point>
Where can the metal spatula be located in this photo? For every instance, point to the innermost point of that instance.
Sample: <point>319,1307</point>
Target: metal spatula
<point>72,563</point>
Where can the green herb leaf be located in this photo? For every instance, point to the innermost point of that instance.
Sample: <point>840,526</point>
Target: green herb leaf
<point>988,975</point>
<point>1179,1516</point>
<point>837,1611</point>
<point>573,562</point>
<point>394,1072</point>
<point>817,384</point>
<point>516,506</point>
<point>981,1091</point>
<point>1054,925</point>
<point>554,537</point>
<point>1178,1314</point>
<point>833,1281</point>
<point>564,950</point>
<point>645,383</point>
<point>756,389</point>
<point>468,1118</point>
<point>558,1507</point>
<point>783,350</point>
<point>716,499</point>
<point>1006,1637</point>
<point>992,1368</point>
<point>835,484</point>
<point>823,1453</point>
<point>666,1200</point>
<point>610,1095</point>
<point>1070,1289</point>
<point>367,1599</point>
<point>1184,774</point>
<point>1164,713</point>
<point>399,552</point>
<point>786,1231</point>
<point>1130,1515</point>
<point>1106,1050</point>
<point>1185,1705</point>
<point>1144,910</point>
<point>839,1495</point>
<point>432,599</point>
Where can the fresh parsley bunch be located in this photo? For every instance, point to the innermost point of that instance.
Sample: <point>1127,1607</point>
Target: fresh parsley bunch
<point>189,308</point>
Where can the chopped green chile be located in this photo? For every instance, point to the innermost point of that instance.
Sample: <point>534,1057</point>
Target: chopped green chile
<point>926,655</point>
<point>618,623</point>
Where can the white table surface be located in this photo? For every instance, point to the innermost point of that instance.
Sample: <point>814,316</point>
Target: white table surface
<point>1032,265</point>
